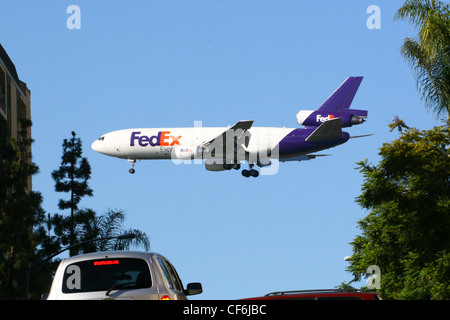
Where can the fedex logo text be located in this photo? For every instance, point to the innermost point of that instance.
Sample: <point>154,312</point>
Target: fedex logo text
<point>163,138</point>
<point>319,118</point>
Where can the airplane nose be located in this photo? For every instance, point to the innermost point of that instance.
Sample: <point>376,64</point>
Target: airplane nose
<point>95,145</point>
<point>104,147</point>
<point>99,146</point>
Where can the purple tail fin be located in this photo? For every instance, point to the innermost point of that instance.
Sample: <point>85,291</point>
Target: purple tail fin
<point>336,106</point>
<point>343,96</point>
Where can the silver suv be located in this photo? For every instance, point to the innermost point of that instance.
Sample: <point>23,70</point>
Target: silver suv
<point>119,275</point>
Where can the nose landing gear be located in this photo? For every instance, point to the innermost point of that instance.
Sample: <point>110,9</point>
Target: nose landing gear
<point>132,161</point>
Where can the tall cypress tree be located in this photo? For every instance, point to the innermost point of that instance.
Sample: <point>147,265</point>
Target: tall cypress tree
<point>72,177</point>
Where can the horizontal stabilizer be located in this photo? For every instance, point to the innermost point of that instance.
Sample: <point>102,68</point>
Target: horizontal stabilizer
<point>304,157</point>
<point>362,136</point>
<point>330,129</point>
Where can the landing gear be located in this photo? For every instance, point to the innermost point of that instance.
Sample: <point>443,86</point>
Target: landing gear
<point>237,166</point>
<point>252,172</point>
<point>229,166</point>
<point>247,173</point>
<point>132,161</point>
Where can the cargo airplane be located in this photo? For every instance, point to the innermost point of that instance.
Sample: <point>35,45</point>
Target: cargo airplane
<point>225,148</point>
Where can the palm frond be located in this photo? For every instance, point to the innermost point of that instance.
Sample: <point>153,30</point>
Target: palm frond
<point>414,11</point>
<point>432,18</point>
<point>429,54</point>
<point>432,77</point>
<point>413,53</point>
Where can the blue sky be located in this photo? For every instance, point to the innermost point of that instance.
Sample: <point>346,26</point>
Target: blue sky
<point>169,63</point>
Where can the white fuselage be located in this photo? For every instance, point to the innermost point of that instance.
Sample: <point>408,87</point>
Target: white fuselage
<point>165,143</point>
<point>225,148</point>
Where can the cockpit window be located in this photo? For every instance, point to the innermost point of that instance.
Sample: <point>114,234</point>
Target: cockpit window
<point>101,138</point>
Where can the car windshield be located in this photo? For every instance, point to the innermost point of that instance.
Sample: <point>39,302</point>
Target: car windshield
<point>104,274</point>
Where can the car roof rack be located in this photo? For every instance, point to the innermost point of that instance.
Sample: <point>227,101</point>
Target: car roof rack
<point>279,293</point>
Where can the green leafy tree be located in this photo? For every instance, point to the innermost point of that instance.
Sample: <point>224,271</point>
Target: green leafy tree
<point>429,53</point>
<point>72,177</point>
<point>407,230</point>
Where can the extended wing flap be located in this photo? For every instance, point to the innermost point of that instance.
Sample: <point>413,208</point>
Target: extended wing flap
<point>330,129</point>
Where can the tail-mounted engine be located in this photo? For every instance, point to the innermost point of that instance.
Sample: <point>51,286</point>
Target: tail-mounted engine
<point>349,117</point>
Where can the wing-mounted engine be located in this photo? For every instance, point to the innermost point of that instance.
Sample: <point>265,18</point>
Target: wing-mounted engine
<point>213,166</point>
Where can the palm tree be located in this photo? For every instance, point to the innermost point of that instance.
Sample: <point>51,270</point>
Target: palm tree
<point>429,54</point>
<point>108,225</point>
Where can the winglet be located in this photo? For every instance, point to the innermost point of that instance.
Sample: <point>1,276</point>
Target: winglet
<point>243,124</point>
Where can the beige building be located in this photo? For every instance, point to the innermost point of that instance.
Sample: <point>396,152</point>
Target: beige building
<point>15,99</point>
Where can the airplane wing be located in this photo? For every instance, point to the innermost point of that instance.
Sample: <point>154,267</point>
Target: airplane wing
<point>330,129</point>
<point>243,124</point>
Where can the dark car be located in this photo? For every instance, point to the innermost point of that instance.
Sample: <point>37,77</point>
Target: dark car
<point>331,294</point>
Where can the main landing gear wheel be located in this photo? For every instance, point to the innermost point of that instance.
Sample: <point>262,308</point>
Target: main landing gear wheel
<point>247,173</point>
<point>229,166</point>
<point>132,161</point>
